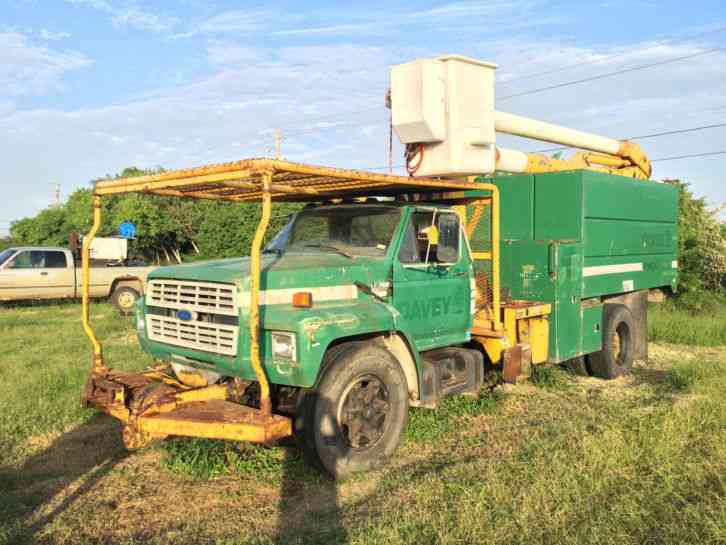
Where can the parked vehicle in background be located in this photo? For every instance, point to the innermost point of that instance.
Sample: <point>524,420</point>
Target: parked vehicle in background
<point>32,273</point>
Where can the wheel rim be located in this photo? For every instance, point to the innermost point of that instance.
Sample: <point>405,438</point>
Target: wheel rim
<point>126,300</point>
<point>363,412</point>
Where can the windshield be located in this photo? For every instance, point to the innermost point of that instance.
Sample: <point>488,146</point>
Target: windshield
<point>5,255</point>
<point>347,230</point>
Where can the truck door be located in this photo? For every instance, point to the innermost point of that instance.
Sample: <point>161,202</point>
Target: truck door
<point>38,274</point>
<point>431,279</point>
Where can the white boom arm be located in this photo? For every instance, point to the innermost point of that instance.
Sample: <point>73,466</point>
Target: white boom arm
<point>443,111</point>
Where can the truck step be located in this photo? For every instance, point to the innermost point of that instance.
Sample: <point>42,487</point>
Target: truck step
<point>451,371</point>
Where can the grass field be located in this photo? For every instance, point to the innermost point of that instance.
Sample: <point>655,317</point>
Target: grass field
<point>641,459</point>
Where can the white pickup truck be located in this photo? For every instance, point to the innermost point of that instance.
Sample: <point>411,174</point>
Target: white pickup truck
<point>28,273</point>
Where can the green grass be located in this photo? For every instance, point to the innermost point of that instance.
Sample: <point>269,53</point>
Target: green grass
<point>45,361</point>
<point>669,323</point>
<point>558,460</point>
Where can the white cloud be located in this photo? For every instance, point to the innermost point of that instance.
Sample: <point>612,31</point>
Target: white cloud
<point>52,36</point>
<point>131,15</point>
<point>334,29</point>
<point>241,21</point>
<point>469,9</point>
<point>137,18</point>
<point>28,68</point>
<point>226,53</point>
<point>309,92</point>
<point>500,16</point>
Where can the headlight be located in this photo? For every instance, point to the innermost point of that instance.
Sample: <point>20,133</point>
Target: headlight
<point>283,345</point>
<point>140,321</point>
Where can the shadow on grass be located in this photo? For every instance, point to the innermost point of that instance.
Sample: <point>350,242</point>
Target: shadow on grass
<point>84,455</point>
<point>309,510</point>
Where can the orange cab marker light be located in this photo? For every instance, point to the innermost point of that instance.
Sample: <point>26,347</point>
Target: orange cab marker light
<point>302,299</point>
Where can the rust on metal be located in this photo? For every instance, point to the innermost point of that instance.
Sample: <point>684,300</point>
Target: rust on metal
<point>243,181</point>
<point>512,368</point>
<point>152,409</point>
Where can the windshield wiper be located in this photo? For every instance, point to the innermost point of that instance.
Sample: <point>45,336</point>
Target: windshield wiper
<point>276,251</point>
<point>329,247</point>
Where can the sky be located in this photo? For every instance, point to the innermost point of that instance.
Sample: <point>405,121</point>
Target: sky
<point>89,87</point>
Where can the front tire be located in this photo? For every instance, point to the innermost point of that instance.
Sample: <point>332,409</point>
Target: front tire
<point>618,344</point>
<point>355,418</point>
<point>124,299</point>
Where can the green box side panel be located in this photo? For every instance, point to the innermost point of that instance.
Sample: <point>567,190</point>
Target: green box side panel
<point>539,271</point>
<point>517,207</point>
<point>639,272</point>
<point>525,271</point>
<point>614,238</point>
<point>608,196</point>
<point>591,326</point>
<point>558,206</point>
<point>567,342</point>
<point>630,234</point>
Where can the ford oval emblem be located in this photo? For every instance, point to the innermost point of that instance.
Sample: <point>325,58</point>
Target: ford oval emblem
<point>184,315</point>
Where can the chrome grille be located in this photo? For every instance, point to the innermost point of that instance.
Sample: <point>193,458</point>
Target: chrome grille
<point>220,339</point>
<point>206,297</point>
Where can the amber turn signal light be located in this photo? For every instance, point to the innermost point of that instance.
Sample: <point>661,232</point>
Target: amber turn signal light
<point>302,299</point>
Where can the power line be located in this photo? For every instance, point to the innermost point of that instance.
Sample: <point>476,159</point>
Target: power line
<point>611,74</point>
<point>338,115</point>
<point>693,156</point>
<point>645,136</point>
<point>614,55</point>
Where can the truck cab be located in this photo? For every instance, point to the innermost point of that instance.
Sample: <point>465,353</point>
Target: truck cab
<point>386,288</point>
<point>335,273</point>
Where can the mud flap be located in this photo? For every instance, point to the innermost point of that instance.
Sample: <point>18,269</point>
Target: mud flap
<point>517,363</point>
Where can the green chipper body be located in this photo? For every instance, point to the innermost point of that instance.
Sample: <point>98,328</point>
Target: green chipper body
<point>576,239</point>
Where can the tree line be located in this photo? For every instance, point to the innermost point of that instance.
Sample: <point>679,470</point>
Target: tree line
<point>168,229</point>
<point>171,229</point>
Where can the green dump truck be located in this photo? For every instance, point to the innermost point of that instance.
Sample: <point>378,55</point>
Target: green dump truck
<point>368,306</point>
<point>393,291</point>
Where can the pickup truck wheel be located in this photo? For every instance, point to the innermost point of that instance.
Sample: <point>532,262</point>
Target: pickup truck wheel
<point>124,299</point>
<point>616,357</point>
<point>357,414</point>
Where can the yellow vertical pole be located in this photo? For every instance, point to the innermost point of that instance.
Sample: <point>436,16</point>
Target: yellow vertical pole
<point>265,403</point>
<point>98,364</point>
<point>495,258</point>
<point>278,141</point>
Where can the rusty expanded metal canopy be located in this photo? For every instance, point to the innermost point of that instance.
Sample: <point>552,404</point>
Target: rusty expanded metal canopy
<point>243,181</point>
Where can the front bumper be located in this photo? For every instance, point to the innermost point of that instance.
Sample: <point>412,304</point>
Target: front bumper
<point>153,405</point>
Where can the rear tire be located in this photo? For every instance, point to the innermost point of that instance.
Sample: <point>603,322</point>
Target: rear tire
<point>577,366</point>
<point>618,344</point>
<point>124,299</point>
<point>354,419</point>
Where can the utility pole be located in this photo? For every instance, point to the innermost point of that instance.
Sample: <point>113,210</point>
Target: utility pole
<point>278,140</point>
<point>57,194</point>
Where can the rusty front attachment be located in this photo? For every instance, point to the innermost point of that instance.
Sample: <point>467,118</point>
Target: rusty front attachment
<point>152,406</point>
